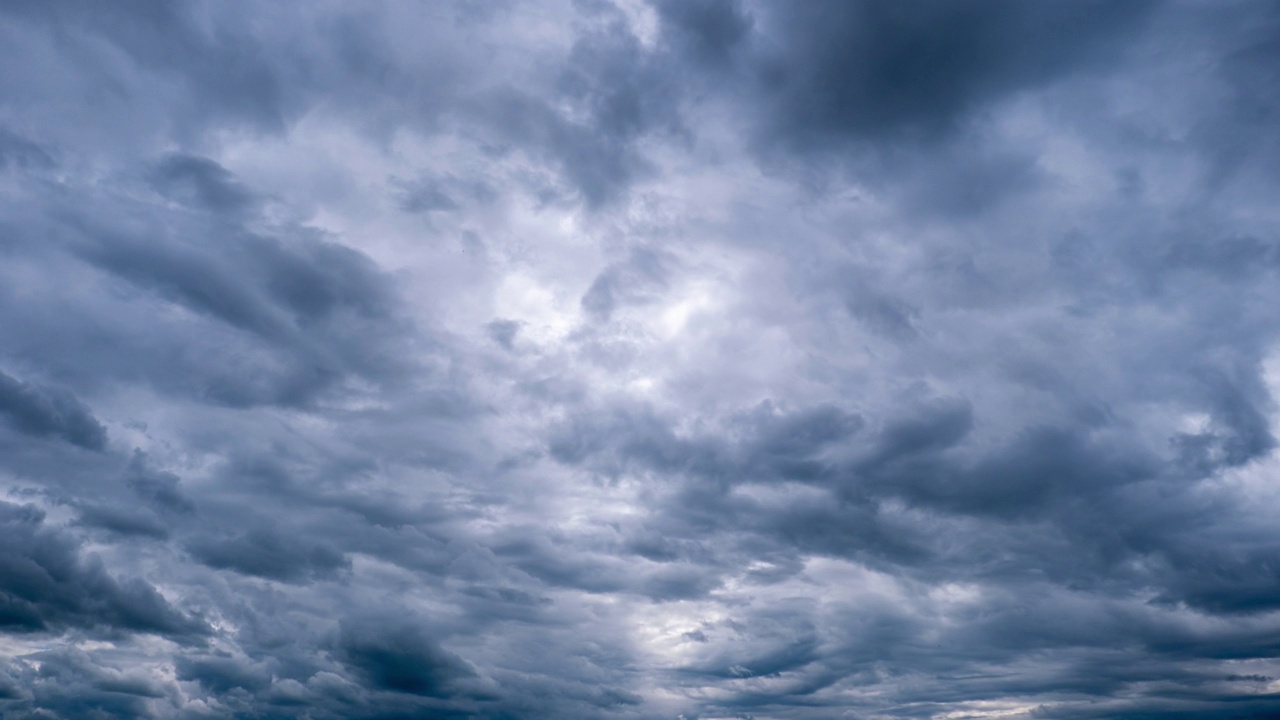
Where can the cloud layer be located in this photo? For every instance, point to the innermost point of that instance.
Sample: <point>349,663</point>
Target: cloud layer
<point>672,359</point>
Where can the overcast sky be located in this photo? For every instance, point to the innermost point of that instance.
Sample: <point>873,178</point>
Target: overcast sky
<point>606,359</point>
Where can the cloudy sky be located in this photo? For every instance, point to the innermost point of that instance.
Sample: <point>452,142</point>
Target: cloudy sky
<point>639,359</point>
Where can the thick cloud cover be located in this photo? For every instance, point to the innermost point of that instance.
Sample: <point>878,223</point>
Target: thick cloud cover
<point>630,359</point>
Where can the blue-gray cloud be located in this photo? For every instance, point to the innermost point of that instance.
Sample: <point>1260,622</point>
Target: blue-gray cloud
<point>604,359</point>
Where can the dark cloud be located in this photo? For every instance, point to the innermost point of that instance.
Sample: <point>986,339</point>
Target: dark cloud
<point>49,411</point>
<point>221,674</point>
<point>70,684</point>
<point>50,585</point>
<point>156,487</point>
<point>881,69</point>
<point>200,182</point>
<point>401,657</point>
<point>264,552</point>
<point>125,521</point>
<point>277,312</point>
<point>710,31</point>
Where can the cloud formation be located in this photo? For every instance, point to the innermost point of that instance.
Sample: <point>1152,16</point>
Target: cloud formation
<point>639,359</point>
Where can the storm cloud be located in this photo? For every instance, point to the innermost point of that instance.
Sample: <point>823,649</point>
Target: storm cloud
<point>639,359</point>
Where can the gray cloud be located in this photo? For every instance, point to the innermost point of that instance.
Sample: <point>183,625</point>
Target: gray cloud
<point>605,359</point>
<point>266,554</point>
<point>401,658</point>
<point>49,585</point>
<point>45,411</point>
<point>885,68</point>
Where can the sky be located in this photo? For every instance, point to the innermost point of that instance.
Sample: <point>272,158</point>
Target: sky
<point>632,359</point>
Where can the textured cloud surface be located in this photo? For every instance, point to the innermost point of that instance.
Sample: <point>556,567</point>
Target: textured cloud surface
<point>627,359</point>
